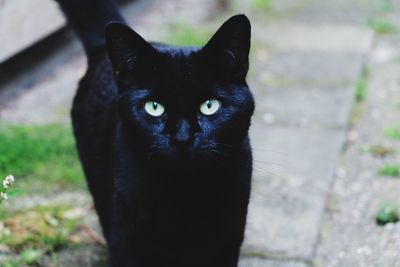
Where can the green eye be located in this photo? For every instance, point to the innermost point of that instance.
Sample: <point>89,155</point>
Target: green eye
<point>155,109</point>
<point>210,107</point>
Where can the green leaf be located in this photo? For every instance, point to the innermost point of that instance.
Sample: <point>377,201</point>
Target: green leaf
<point>30,256</point>
<point>387,214</point>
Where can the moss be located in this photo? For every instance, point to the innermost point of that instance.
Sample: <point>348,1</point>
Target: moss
<point>361,90</point>
<point>382,25</point>
<point>380,150</point>
<point>384,6</point>
<point>390,170</point>
<point>356,113</point>
<point>35,235</point>
<point>387,214</point>
<point>43,228</point>
<point>362,85</point>
<point>392,133</point>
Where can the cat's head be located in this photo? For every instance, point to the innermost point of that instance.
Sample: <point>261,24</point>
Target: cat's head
<point>184,103</point>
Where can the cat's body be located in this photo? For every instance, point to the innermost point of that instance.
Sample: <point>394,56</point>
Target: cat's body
<point>171,189</point>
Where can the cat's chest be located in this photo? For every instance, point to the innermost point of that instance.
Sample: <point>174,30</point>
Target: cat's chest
<point>197,206</point>
<point>169,223</point>
<point>180,205</point>
<point>173,208</point>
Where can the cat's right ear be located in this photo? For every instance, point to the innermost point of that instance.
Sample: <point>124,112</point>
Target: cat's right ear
<point>228,50</point>
<point>126,48</point>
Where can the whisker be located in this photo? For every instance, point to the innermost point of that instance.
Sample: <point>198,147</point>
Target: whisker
<point>268,162</point>
<point>263,172</point>
<point>268,151</point>
<point>253,148</point>
<point>226,145</point>
<point>219,152</point>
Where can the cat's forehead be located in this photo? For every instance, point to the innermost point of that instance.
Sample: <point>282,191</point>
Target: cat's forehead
<point>178,73</point>
<point>177,59</point>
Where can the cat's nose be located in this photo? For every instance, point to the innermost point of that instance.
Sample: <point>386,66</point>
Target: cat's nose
<point>182,136</point>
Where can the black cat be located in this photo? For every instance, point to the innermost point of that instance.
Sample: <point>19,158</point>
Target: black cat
<point>162,133</point>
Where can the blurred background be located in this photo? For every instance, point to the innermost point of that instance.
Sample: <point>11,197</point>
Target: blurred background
<point>326,133</point>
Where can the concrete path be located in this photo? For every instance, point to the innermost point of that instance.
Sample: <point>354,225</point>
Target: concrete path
<point>305,89</point>
<point>348,235</point>
<point>307,57</point>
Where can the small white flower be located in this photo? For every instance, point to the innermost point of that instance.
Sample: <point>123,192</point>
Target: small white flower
<point>3,195</point>
<point>8,181</point>
<point>10,178</point>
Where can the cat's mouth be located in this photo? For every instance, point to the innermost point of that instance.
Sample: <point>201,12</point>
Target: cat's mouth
<point>182,155</point>
<point>176,159</point>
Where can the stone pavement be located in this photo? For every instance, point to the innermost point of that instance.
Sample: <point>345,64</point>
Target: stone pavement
<point>348,235</point>
<point>305,90</point>
<point>307,57</point>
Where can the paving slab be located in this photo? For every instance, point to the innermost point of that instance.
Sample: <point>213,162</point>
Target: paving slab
<point>324,12</point>
<point>254,262</point>
<point>293,174</point>
<point>305,106</point>
<point>308,68</point>
<point>349,234</point>
<point>301,37</point>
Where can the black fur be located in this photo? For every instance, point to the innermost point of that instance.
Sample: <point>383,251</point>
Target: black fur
<point>171,190</point>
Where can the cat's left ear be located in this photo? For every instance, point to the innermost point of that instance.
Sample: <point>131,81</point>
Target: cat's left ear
<point>230,45</point>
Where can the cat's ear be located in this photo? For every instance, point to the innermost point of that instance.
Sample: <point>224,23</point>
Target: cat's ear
<point>126,48</point>
<point>230,45</point>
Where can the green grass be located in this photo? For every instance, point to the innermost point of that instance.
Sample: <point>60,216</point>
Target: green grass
<point>29,257</point>
<point>44,155</point>
<point>362,85</point>
<point>261,4</point>
<point>390,170</point>
<point>41,228</point>
<point>180,34</point>
<point>384,6</point>
<point>392,133</point>
<point>361,89</point>
<point>32,233</point>
<point>382,25</point>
